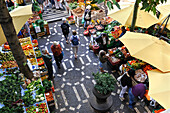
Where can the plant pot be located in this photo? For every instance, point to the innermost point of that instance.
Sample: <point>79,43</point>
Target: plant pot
<point>101,103</point>
<point>101,98</point>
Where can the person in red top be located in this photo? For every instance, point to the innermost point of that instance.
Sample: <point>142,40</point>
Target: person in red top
<point>57,53</point>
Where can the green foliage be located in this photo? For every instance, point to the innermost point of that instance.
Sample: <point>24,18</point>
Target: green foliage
<point>10,92</point>
<point>110,3</point>
<point>41,90</point>
<point>47,84</point>
<point>28,98</point>
<point>150,5</point>
<point>104,82</point>
<point>73,5</point>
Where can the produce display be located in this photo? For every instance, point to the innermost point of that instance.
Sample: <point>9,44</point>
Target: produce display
<point>28,98</point>
<point>49,96</point>
<point>29,53</point>
<point>39,98</point>
<point>39,108</point>
<point>40,61</point>
<point>73,5</point>
<point>8,56</point>
<point>10,95</point>
<point>92,31</point>
<point>34,85</point>
<point>33,61</point>
<point>10,71</point>
<point>99,27</point>
<point>1,74</point>
<point>38,53</point>
<point>8,64</point>
<point>47,84</point>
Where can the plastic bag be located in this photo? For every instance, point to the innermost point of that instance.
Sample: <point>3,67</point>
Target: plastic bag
<point>83,21</point>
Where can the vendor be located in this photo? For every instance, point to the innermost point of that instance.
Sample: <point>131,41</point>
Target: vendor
<point>103,40</point>
<point>123,31</point>
<point>120,44</point>
<point>9,3</point>
<point>87,15</point>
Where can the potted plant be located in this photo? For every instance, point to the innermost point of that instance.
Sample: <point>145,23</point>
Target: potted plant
<point>102,91</point>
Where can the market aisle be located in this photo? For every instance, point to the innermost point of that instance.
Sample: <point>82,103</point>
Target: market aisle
<point>51,15</point>
<point>74,81</point>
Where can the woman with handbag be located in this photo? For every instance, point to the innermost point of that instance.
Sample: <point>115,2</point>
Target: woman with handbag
<point>126,82</point>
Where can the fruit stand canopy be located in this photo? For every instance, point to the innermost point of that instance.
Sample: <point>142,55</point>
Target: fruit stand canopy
<point>19,16</point>
<point>149,49</point>
<point>159,87</point>
<point>125,15</point>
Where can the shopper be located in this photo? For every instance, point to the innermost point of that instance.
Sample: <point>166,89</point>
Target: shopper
<point>58,4</point>
<point>48,61</point>
<point>65,29</point>
<point>123,31</point>
<point>74,42</point>
<point>57,53</point>
<point>53,4</point>
<point>126,82</point>
<point>102,59</point>
<point>103,40</point>
<point>41,4</point>
<point>87,16</point>
<point>9,3</point>
<point>136,91</point>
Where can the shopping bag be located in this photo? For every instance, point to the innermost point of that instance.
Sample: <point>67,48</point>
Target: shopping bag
<point>83,21</point>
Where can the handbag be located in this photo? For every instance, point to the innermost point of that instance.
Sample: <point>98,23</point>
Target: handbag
<point>119,78</point>
<point>83,21</point>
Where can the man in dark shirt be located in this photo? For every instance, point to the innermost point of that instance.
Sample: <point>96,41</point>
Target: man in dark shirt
<point>126,82</point>
<point>137,90</point>
<point>48,61</point>
<point>65,29</point>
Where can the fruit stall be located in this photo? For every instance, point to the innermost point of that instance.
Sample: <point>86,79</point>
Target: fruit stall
<point>19,94</point>
<point>77,8</point>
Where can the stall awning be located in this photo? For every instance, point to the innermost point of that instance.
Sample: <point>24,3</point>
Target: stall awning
<point>19,16</point>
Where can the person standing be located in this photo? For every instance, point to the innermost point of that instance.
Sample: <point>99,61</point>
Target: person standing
<point>136,91</point>
<point>126,82</point>
<point>75,42</point>
<point>48,61</point>
<point>57,53</point>
<point>102,59</point>
<point>58,4</point>
<point>65,29</point>
<point>87,16</point>
<point>103,40</point>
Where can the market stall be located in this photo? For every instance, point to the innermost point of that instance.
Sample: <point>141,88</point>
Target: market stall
<point>76,9</point>
<point>31,95</point>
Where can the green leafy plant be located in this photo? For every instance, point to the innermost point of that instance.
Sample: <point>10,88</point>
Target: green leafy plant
<point>104,82</point>
<point>28,98</point>
<point>47,84</point>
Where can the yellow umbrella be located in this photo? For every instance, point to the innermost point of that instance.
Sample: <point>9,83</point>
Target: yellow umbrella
<point>149,49</point>
<point>125,14</point>
<point>159,87</point>
<point>19,16</point>
<point>165,11</point>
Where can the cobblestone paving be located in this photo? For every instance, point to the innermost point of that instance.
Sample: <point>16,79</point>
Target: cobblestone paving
<point>74,81</point>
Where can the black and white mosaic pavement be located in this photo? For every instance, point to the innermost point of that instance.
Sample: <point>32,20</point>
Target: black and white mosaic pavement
<point>74,81</point>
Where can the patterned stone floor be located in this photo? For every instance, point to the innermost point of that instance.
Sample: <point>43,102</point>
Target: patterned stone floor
<point>74,81</point>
